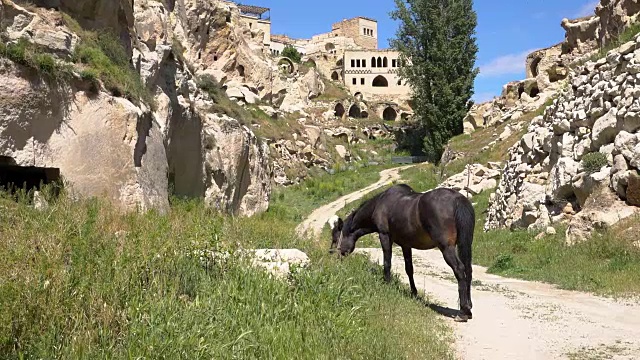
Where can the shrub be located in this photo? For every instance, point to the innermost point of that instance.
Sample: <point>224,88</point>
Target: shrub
<point>593,162</point>
<point>292,53</point>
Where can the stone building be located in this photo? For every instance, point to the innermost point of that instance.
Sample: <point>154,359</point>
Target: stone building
<point>362,30</point>
<point>254,17</point>
<point>372,72</point>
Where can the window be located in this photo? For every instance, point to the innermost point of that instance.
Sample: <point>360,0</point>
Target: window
<point>393,63</point>
<point>384,62</point>
<point>364,63</point>
<point>399,82</point>
<point>361,81</point>
<point>353,81</point>
<point>353,63</point>
<point>373,62</point>
<point>358,63</point>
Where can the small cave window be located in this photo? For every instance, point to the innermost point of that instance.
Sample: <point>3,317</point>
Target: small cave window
<point>335,76</point>
<point>389,114</point>
<point>534,66</point>
<point>338,110</point>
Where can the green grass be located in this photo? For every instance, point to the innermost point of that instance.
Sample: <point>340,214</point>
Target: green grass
<point>297,201</point>
<point>593,162</point>
<point>333,91</point>
<point>27,54</point>
<point>81,280</point>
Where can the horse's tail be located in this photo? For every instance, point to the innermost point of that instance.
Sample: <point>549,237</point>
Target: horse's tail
<point>465,226</point>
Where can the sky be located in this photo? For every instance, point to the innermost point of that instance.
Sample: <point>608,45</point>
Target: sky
<point>507,30</point>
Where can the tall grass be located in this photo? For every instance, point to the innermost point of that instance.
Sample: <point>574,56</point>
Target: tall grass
<point>25,53</point>
<point>82,280</point>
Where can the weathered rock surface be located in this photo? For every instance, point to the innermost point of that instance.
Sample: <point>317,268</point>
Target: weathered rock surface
<point>102,145</point>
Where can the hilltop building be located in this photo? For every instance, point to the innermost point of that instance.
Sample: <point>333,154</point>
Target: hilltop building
<point>348,55</point>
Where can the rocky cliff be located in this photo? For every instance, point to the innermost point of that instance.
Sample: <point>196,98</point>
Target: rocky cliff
<point>111,144</point>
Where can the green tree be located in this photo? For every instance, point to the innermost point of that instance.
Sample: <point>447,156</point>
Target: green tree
<point>437,45</point>
<point>292,53</point>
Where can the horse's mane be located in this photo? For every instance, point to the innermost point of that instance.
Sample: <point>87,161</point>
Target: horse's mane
<point>398,187</point>
<point>349,218</point>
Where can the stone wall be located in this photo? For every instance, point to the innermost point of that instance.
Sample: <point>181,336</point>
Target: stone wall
<point>545,180</point>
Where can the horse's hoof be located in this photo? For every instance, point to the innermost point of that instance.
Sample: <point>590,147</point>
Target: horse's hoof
<point>462,318</point>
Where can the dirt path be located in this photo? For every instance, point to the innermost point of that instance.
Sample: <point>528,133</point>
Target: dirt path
<point>514,319</point>
<point>319,217</point>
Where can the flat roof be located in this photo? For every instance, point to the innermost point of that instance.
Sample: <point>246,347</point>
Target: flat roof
<point>366,18</point>
<point>250,9</point>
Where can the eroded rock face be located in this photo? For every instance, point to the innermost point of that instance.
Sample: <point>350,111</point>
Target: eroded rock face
<point>613,17</point>
<point>104,146</point>
<point>236,166</point>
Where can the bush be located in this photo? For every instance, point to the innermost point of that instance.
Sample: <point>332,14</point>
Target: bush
<point>593,162</point>
<point>292,53</point>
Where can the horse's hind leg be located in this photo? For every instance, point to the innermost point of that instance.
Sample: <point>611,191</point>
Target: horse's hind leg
<point>385,242</point>
<point>408,267</point>
<point>457,266</point>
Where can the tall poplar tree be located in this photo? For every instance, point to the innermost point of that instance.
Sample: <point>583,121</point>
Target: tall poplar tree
<point>437,45</point>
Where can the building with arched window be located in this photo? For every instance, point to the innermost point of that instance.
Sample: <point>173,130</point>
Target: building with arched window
<point>373,72</point>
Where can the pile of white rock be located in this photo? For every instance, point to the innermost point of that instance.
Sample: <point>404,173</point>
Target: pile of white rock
<point>545,181</point>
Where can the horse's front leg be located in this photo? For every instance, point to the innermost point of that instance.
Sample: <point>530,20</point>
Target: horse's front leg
<point>385,241</point>
<point>408,267</point>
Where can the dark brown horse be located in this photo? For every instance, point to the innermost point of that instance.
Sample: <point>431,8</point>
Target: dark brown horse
<point>441,218</point>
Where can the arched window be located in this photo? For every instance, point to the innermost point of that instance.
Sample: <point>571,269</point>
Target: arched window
<point>380,81</point>
<point>384,62</point>
<point>373,62</point>
<point>379,61</point>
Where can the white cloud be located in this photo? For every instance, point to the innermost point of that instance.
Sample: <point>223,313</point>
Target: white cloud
<point>587,9</point>
<point>505,65</point>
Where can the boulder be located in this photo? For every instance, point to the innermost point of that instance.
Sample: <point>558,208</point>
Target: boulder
<point>605,129</point>
<point>585,183</point>
<point>238,166</point>
<point>560,186</point>
<point>343,152</point>
<point>633,188</point>
<point>313,134</point>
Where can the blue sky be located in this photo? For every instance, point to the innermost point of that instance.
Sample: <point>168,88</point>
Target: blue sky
<point>507,29</point>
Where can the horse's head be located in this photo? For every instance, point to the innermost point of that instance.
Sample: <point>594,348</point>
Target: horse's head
<point>341,238</point>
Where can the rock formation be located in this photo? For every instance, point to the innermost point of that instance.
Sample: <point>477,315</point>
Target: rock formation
<point>122,149</point>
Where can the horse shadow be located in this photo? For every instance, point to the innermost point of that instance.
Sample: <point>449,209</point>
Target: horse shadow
<point>406,291</point>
